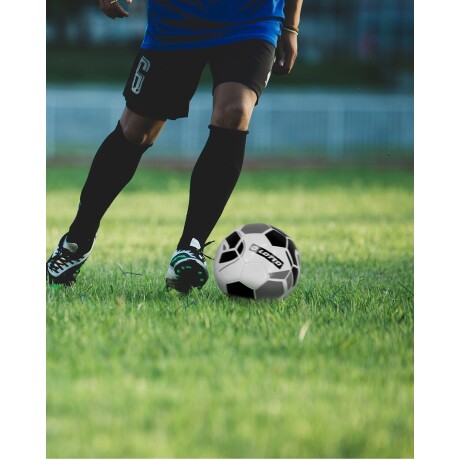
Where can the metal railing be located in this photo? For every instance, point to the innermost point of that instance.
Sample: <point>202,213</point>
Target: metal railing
<point>286,124</point>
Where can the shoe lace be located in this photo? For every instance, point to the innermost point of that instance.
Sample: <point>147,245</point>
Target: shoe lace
<point>201,253</point>
<point>61,260</point>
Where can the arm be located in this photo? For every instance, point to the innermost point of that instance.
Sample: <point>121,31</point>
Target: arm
<point>113,9</point>
<point>286,51</point>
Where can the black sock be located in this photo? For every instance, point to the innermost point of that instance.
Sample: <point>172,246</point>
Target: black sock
<point>112,168</point>
<point>213,179</point>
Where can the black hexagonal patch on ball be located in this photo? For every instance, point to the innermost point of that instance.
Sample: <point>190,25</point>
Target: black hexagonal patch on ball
<point>292,250</point>
<point>295,272</point>
<point>276,238</point>
<point>228,256</point>
<point>281,231</point>
<point>240,290</point>
<point>233,239</point>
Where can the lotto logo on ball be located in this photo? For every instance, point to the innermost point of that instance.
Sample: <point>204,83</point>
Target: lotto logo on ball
<point>267,254</point>
<point>257,261</point>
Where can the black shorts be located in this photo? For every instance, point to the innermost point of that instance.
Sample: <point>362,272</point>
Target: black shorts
<point>162,83</point>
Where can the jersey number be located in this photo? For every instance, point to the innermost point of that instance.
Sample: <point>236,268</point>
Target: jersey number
<point>142,68</point>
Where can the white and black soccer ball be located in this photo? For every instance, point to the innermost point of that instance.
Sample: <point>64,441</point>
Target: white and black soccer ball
<point>257,261</point>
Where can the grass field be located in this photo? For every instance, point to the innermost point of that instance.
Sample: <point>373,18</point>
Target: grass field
<point>134,371</point>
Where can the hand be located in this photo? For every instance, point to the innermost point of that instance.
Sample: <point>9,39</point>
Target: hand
<point>286,53</point>
<point>113,9</point>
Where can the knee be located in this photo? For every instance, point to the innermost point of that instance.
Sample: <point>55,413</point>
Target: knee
<point>140,131</point>
<point>232,116</point>
<point>137,137</point>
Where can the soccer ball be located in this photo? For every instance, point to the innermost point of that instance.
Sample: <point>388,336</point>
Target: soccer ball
<point>257,261</point>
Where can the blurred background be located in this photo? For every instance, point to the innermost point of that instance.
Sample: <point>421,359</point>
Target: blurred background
<point>348,100</point>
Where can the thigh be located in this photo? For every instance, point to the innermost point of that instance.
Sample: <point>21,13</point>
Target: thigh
<point>248,62</point>
<point>162,82</point>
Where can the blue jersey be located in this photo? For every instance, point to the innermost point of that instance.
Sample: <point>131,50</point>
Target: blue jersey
<point>185,24</point>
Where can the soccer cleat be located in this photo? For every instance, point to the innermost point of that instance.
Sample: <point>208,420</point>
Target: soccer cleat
<point>64,264</point>
<point>187,268</point>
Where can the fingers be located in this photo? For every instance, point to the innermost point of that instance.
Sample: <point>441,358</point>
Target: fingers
<point>113,9</point>
<point>286,54</point>
<point>289,59</point>
<point>278,68</point>
<point>285,65</point>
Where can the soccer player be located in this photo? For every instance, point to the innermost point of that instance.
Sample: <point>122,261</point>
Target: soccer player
<point>243,41</point>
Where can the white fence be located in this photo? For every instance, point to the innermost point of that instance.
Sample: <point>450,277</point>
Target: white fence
<point>286,123</point>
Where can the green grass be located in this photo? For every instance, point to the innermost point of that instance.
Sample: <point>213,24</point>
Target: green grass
<point>134,371</point>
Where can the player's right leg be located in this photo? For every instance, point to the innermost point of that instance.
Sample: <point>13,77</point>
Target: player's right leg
<point>113,167</point>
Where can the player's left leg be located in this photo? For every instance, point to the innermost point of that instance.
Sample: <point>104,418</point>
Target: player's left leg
<point>218,167</point>
<point>213,179</point>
